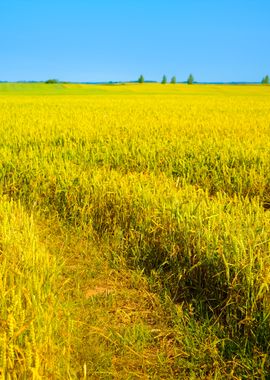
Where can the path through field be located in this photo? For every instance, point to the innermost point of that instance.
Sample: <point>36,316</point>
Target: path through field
<point>119,327</point>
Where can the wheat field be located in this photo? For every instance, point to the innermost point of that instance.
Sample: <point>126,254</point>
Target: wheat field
<point>134,231</point>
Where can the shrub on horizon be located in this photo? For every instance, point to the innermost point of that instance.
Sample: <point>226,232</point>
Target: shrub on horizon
<point>52,81</point>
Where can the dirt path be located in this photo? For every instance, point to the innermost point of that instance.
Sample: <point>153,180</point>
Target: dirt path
<point>119,326</point>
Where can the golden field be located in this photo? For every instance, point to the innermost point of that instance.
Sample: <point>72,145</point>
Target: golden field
<point>134,231</point>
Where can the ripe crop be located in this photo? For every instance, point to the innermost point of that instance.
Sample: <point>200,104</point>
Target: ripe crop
<point>177,181</point>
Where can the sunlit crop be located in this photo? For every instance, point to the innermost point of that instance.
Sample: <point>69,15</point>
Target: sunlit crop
<point>176,178</point>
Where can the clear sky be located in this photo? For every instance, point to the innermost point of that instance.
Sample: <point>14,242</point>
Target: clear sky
<point>103,40</point>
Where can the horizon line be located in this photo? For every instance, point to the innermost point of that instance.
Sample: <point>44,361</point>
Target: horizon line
<point>129,81</point>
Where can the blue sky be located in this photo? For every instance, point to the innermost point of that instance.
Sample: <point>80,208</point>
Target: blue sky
<point>102,40</point>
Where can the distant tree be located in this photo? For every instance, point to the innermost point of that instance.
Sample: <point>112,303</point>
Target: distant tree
<point>141,79</point>
<point>164,79</point>
<point>173,80</point>
<point>190,79</point>
<point>266,80</point>
<point>51,81</point>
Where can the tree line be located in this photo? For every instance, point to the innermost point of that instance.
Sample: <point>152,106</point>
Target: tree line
<point>190,79</point>
<point>164,80</point>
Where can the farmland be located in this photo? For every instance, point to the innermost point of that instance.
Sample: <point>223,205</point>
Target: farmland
<point>134,231</point>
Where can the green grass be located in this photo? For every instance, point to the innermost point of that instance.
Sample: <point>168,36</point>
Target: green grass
<point>43,89</point>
